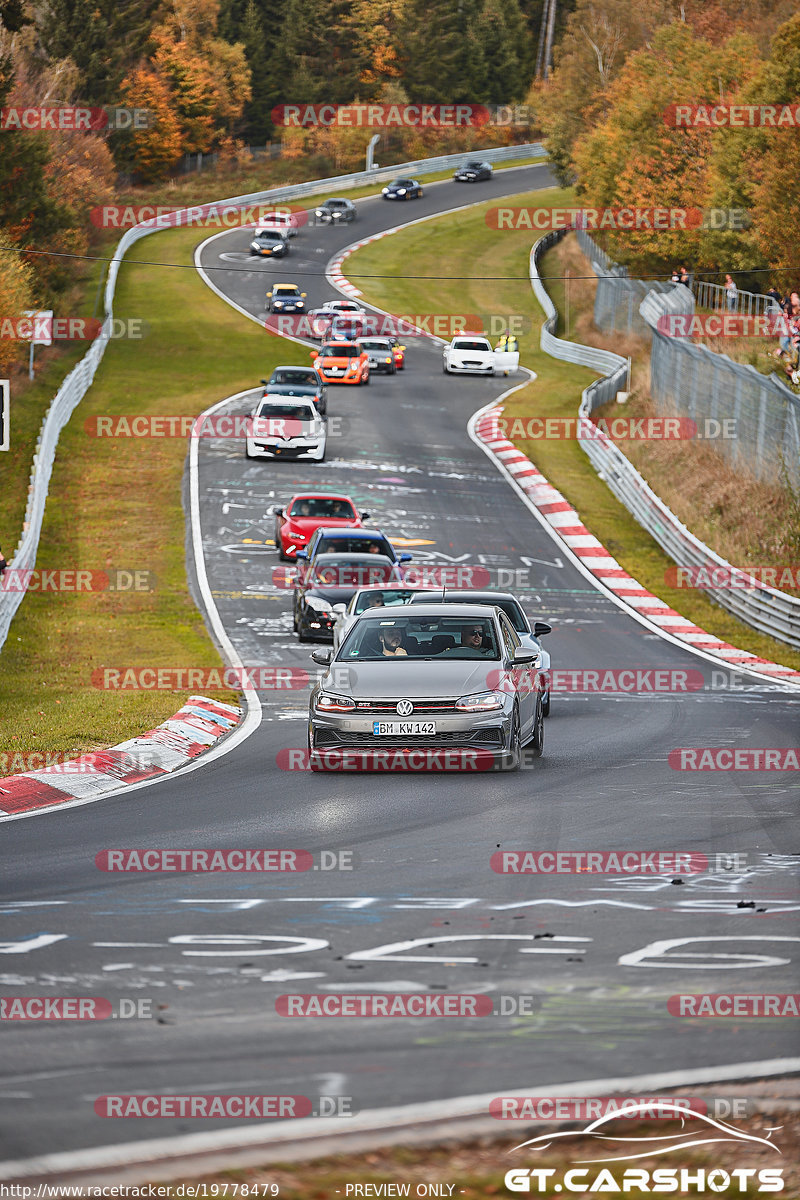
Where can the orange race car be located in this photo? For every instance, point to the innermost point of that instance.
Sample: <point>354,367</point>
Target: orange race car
<point>341,362</point>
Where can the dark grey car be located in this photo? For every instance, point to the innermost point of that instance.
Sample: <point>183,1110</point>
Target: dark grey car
<point>423,679</point>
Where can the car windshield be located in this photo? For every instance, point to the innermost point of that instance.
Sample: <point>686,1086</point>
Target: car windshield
<point>285,291</point>
<point>463,344</point>
<point>340,350</point>
<point>420,637</point>
<point>323,506</point>
<point>385,598</point>
<point>375,344</point>
<point>341,572</point>
<point>301,376</point>
<point>403,183</point>
<point>335,204</point>
<point>352,544</point>
<point>273,408</point>
<point>473,166</point>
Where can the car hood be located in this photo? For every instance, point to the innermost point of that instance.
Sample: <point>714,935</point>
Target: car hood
<point>309,524</point>
<point>414,678</point>
<point>294,389</point>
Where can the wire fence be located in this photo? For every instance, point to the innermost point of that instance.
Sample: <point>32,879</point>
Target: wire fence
<point>764,608</point>
<point>753,420</point>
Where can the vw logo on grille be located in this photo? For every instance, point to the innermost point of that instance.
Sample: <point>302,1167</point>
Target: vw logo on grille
<point>404,708</point>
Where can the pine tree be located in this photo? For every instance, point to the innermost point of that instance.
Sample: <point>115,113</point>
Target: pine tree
<point>104,38</point>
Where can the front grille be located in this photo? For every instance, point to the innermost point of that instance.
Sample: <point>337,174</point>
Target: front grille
<point>385,706</point>
<point>332,738</point>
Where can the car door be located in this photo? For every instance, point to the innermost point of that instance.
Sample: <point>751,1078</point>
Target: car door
<point>524,678</point>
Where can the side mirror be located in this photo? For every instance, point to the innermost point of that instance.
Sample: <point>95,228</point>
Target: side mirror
<point>340,608</point>
<point>265,382</point>
<point>405,558</point>
<point>365,516</point>
<point>540,628</point>
<point>523,655</point>
<point>269,295</point>
<point>302,554</point>
<point>322,656</point>
<point>314,354</point>
<point>277,510</point>
<point>303,294</point>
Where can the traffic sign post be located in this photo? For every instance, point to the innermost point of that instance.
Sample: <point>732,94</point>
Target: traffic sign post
<point>42,334</point>
<point>5,414</point>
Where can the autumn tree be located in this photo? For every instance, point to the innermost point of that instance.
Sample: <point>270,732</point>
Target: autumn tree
<point>17,292</point>
<point>150,151</point>
<point>209,78</point>
<point>635,158</point>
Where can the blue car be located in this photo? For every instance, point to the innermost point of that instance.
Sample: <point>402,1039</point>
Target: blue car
<point>403,189</point>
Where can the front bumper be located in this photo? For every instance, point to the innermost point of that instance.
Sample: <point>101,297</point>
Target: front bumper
<point>348,377</point>
<point>313,448</point>
<point>458,366</point>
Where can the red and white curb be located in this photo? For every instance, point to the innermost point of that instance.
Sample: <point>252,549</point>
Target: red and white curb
<point>568,527</point>
<point>193,730</point>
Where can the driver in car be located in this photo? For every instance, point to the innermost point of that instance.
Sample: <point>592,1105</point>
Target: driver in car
<point>390,641</point>
<point>471,642</point>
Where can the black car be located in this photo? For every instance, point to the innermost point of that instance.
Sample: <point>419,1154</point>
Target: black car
<point>268,243</point>
<point>473,171</point>
<point>333,540</point>
<point>403,189</point>
<point>334,579</point>
<point>335,212</point>
<point>297,381</point>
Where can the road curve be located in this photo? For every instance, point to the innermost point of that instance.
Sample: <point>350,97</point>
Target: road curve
<point>421,910</point>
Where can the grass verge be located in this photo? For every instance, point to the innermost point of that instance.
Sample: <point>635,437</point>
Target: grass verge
<point>116,502</point>
<point>487,272</point>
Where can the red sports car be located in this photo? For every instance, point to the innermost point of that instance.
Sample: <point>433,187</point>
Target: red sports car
<point>295,524</point>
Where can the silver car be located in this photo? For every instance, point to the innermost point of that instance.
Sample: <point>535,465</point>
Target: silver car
<point>371,597</point>
<point>420,680</point>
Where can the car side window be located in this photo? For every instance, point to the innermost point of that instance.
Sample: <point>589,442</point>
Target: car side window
<point>510,639</point>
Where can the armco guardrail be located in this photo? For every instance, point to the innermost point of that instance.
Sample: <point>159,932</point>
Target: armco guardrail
<point>79,380</point>
<point>764,608</point>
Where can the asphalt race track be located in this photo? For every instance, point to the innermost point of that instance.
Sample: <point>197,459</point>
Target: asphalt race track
<point>421,910</point>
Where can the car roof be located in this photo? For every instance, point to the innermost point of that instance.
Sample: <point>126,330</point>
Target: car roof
<point>337,531</point>
<point>355,556</point>
<point>475,596</point>
<point>284,398</point>
<point>323,496</point>
<point>432,608</point>
<point>293,285</point>
<point>339,343</point>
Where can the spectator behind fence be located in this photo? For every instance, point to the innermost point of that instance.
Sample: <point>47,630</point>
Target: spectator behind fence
<point>775,296</point>
<point>685,277</point>
<point>732,294</point>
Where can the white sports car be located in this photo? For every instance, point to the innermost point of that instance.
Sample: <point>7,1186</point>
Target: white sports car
<point>284,427</point>
<point>472,355</point>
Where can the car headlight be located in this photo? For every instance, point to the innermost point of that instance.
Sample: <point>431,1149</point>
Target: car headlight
<point>254,246</point>
<point>354,362</point>
<point>401,191</point>
<point>319,606</point>
<point>385,191</point>
<point>480,702</point>
<point>327,702</point>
